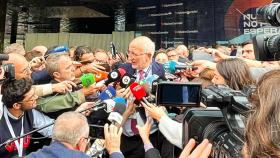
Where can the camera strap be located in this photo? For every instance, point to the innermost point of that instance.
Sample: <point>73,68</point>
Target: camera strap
<point>19,144</point>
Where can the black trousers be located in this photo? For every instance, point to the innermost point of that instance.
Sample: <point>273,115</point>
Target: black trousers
<point>133,147</point>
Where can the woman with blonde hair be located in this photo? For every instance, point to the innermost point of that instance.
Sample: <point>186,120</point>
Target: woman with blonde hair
<point>263,126</point>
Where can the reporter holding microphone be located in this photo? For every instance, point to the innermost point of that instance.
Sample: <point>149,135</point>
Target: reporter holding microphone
<point>173,135</point>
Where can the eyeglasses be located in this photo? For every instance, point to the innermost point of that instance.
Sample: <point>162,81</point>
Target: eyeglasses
<point>133,54</point>
<point>31,99</point>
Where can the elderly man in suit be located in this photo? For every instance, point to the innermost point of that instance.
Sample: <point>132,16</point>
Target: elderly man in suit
<point>142,65</point>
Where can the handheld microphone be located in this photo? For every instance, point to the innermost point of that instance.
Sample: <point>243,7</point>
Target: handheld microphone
<point>116,115</point>
<point>109,93</point>
<point>100,75</point>
<point>172,66</point>
<point>113,50</point>
<point>87,79</point>
<point>138,92</point>
<point>127,80</point>
<point>113,76</point>
<point>120,100</point>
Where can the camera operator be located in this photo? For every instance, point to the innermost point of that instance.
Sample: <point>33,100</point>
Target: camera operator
<point>203,150</point>
<point>262,134</point>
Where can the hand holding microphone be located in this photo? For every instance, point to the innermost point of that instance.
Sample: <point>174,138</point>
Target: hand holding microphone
<point>154,111</point>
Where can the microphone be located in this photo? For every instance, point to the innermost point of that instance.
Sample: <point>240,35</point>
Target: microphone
<point>172,66</point>
<point>138,92</point>
<point>113,50</point>
<point>87,79</point>
<point>116,116</point>
<point>113,76</point>
<point>109,93</point>
<point>120,100</point>
<point>100,75</point>
<point>127,80</point>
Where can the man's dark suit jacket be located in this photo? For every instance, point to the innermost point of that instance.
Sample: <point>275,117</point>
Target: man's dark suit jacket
<point>156,69</point>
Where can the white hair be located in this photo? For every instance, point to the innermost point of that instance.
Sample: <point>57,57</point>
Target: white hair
<point>70,127</point>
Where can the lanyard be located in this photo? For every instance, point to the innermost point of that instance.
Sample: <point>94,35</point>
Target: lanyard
<point>19,144</point>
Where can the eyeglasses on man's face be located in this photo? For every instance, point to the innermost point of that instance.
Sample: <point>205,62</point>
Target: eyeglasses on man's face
<point>131,53</point>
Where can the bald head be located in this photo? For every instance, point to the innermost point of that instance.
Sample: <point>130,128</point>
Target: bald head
<point>22,69</point>
<point>140,52</point>
<point>70,127</point>
<point>144,43</point>
<point>15,48</point>
<point>41,49</point>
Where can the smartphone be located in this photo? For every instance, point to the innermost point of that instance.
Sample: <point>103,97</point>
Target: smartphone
<point>178,94</point>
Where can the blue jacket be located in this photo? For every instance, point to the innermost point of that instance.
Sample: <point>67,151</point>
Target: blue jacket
<point>57,150</point>
<point>157,69</point>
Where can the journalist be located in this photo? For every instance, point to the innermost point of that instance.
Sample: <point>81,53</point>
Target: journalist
<point>262,134</point>
<point>203,150</point>
<point>61,68</point>
<point>70,138</point>
<point>23,70</point>
<point>20,117</point>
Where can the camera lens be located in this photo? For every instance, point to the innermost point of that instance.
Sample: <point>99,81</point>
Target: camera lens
<point>215,129</point>
<point>273,45</point>
<point>270,13</point>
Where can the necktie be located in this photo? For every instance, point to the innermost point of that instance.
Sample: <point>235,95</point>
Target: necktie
<point>133,126</point>
<point>141,74</point>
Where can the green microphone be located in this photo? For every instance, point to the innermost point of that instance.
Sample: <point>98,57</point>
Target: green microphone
<point>87,79</point>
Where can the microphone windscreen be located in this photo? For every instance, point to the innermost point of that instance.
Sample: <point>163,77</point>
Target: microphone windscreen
<point>122,71</point>
<point>137,90</point>
<point>120,108</point>
<point>110,105</point>
<point>109,93</point>
<point>87,79</point>
<point>100,75</point>
<point>120,100</point>
<point>170,66</point>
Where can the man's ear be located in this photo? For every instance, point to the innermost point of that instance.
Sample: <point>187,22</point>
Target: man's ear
<point>82,146</point>
<point>16,106</point>
<point>56,75</point>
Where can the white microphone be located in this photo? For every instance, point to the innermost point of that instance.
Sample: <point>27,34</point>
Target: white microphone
<point>116,115</point>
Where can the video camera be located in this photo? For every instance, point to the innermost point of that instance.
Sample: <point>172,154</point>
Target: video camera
<point>9,69</point>
<point>222,122</point>
<point>267,46</point>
